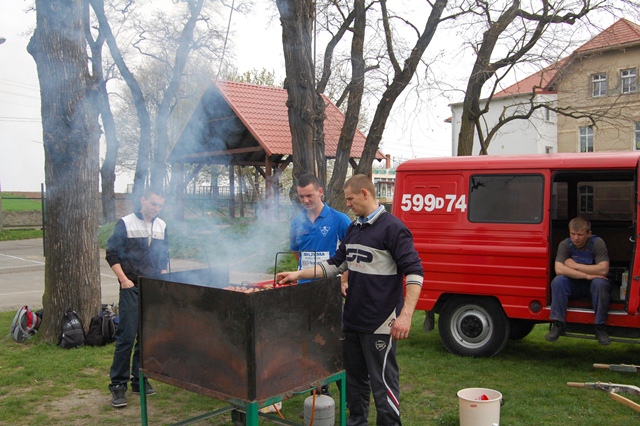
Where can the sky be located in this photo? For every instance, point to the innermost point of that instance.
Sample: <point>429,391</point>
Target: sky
<point>258,45</point>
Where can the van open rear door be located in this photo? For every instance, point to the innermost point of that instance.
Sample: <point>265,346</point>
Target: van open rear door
<point>633,285</point>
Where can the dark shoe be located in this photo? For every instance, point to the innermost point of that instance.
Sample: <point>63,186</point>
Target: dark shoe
<point>148,390</point>
<point>557,329</point>
<point>602,335</point>
<point>118,398</point>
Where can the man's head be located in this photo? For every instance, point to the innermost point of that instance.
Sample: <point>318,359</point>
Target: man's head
<point>579,231</point>
<point>360,195</point>
<point>310,192</point>
<point>151,203</point>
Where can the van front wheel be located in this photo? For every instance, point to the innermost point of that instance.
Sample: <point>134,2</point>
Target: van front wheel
<point>474,327</point>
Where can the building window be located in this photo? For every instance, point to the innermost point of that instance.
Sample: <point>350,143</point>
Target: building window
<point>599,85</point>
<point>628,80</point>
<point>636,135</point>
<point>585,138</point>
<point>586,198</point>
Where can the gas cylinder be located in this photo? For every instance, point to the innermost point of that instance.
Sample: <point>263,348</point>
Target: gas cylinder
<point>325,412</point>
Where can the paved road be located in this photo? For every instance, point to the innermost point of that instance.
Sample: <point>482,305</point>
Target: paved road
<point>22,275</point>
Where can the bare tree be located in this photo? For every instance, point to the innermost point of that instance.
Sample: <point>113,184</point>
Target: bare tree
<point>520,30</point>
<point>70,135</point>
<point>158,40</point>
<point>170,95</point>
<point>144,147</point>
<point>107,170</point>
<point>402,72</point>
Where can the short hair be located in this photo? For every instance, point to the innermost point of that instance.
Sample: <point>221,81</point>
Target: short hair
<point>358,182</point>
<point>153,190</point>
<point>580,223</point>
<point>308,179</point>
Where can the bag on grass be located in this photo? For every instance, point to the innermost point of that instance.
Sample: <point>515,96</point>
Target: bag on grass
<point>102,329</point>
<point>72,330</point>
<point>24,324</point>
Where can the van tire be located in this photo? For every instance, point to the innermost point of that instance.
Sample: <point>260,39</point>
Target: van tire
<point>520,328</point>
<point>473,326</point>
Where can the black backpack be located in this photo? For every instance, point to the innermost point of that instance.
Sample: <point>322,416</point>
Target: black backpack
<point>72,330</point>
<point>102,329</point>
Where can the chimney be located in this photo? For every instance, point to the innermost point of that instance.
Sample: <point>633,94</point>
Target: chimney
<point>387,161</point>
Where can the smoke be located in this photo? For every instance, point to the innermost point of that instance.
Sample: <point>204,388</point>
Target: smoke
<point>248,249</point>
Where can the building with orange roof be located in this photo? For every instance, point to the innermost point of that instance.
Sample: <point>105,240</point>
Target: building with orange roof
<point>597,81</point>
<point>601,77</point>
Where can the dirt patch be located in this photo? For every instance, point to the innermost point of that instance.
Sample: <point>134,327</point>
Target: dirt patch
<point>85,407</point>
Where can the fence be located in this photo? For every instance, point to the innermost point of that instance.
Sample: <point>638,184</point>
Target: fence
<point>204,202</point>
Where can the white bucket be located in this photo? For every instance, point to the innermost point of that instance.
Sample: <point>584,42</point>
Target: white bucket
<point>476,410</point>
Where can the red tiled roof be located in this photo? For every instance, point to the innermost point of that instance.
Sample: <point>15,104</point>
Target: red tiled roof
<point>538,82</point>
<point>622,32</point>
<point>264,111</point>
<point>228,110</point>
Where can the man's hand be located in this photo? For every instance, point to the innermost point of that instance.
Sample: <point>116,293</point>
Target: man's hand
<point>593,277</point>
<point>127,283</point>
<point>344,285</point>
<point>401,327</point>
<point>570,263</point>
<point>287,277</point>
<point>573,269</point>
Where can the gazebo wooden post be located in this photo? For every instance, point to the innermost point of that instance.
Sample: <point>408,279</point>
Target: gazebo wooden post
<point>268,187</point>
<point>177,176</point>
<point>241,191</point>
<point>232,190</point>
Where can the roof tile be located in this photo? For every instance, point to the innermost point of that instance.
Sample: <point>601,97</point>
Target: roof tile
<point>263,110</point>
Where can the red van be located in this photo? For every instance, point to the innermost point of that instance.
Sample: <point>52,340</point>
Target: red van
<point>487,229</point>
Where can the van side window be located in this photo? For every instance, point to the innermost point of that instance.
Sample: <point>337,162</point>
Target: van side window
<point>506,198</point>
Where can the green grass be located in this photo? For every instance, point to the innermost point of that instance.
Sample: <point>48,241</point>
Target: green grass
<point>19,234</point>
<point>43,384</point>
<point>13,202</point>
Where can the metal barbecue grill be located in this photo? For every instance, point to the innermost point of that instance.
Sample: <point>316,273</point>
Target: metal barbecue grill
<point>252,349</point>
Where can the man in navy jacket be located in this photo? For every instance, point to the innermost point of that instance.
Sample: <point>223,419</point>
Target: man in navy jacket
<point>379,253</point>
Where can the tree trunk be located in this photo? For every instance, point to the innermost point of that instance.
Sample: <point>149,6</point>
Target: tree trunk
<point>70,135</point>
<point>468,124</point>
<point>335,192</point>
<point>305,105</point>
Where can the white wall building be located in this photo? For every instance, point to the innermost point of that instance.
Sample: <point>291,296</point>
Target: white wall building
<point>537,135</point>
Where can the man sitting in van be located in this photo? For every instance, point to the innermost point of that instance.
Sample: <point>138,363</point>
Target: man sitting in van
<point>581,265</point>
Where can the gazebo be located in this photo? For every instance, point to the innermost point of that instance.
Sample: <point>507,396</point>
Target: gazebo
<point>239,124</point>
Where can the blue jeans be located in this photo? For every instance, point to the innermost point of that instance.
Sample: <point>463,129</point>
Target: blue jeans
<point>123,367</point>
<point>564,288</point>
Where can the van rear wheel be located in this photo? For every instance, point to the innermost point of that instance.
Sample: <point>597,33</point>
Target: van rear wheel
<point>519,328</point>
<point>474,327</point>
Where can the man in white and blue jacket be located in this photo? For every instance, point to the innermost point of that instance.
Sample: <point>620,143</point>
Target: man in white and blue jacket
<point>379,253</point>
<point>138,247</point>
